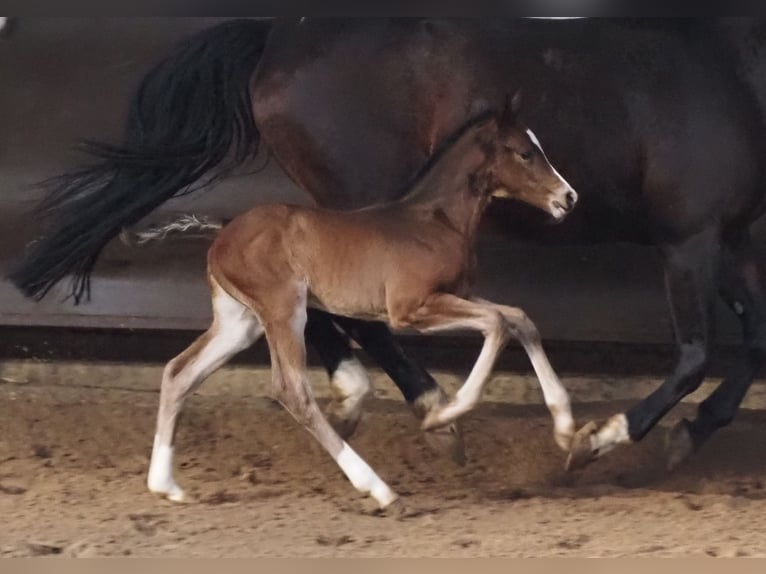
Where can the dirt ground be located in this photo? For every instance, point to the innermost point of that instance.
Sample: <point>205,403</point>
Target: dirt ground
<point>73,462</point>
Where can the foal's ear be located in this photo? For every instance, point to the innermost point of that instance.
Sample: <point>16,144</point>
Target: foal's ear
<point>511,108</point>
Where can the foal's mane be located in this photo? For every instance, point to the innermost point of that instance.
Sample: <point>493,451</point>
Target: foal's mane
<point>415,184</point>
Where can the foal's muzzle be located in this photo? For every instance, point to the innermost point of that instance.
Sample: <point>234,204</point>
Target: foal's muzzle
<point>563,204</point>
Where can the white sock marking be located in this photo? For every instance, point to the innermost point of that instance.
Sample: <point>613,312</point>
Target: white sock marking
<point>160,477</point>
<point>612,434</point>
<point>363,477</point>
<point>555,396</point>
<point>351,386</point>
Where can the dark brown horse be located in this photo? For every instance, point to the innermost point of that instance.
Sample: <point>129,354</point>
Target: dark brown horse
<point>658,125</point>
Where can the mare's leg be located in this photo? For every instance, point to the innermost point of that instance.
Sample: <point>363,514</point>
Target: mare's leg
<point>739,285</point>
<point>689,278</point>
<point>234,329</point>
<point>498,323</point>
<point>349,383</point>
<point>419,388</point>
<point>286,342</point>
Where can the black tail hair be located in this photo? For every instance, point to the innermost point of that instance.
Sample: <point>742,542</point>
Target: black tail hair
<point>190,124</point>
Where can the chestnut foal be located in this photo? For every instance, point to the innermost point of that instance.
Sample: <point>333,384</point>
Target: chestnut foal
<point>408,263</point>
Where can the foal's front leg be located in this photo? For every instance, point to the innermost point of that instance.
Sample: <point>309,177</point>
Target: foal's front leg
<point>497,323</point>
<point>555,395</point>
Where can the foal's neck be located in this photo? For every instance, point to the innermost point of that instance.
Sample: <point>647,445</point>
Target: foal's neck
<point>452,190</point>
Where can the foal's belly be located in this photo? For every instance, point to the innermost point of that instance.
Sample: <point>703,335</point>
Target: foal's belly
<point>352,299</point>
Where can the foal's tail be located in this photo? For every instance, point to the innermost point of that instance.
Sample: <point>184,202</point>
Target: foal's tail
<point>190,124</point>
<point>188,225</point>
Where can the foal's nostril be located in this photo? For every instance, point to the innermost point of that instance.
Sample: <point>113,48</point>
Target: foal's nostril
<point>571,199</point>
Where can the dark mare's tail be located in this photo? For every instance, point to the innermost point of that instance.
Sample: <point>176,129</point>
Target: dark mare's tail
<point>190,123</point>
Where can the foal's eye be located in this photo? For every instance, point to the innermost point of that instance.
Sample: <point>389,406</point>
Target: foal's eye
<point>525,155</point>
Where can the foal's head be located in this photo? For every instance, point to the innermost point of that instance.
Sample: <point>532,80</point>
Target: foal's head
<point>518,167</point>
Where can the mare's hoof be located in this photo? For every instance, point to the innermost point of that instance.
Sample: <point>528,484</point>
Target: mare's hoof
<point>581,453</point>
<point>679,444</point>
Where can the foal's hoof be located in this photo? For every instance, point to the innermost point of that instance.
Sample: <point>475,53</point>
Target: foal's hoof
<point>581,453</point>
<point>397,510</point>
<point>170,491</point>
<point>448,440</point>
<point>366,505</point>
<point>679,444</point>
<point>432,420</point>
<point>441,437</point>
<point>176,495</point>
<point>345,427</point>
<point>402,511</point>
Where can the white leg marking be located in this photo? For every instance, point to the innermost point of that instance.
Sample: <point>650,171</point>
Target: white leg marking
<point>234,329</point>
<point>612,434</point>
<point>469,394</point>
<point>160,479</point>
<point>351,386</point>
<point>363,477</point>
<point>555,396</point>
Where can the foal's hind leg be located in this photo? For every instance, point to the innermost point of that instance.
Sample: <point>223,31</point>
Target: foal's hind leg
<point>288,358</point>
<point>351,387</point>
<point>234,329</point>
<point>420,390</point>
<point>740,287</point>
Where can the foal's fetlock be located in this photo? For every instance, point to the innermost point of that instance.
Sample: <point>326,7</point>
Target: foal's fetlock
<point>564,432</point>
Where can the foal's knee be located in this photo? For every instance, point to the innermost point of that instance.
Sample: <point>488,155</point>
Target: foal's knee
<point>524,329</point>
